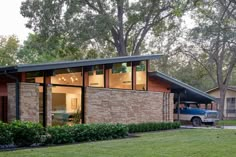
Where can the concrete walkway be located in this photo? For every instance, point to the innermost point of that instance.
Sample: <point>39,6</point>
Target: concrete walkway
<point>207,127</point>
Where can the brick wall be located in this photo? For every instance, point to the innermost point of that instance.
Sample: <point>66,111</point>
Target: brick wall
<point>127,106</point>
<point>29,102</point>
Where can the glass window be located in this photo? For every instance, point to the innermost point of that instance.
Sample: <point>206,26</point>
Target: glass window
<point>69,76</point>
<point>96,76</point>
<point>120,76</point>
<point>66,105</point>
<point>34,77</point>
<point>141,76</point>
<point>231,105</point>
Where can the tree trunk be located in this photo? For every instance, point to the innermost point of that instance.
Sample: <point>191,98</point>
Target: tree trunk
<point>121,44</point>
<point>221,104</point>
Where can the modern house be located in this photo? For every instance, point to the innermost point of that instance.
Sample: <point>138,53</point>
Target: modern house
<point>230,101</point>
<point>114,90</point>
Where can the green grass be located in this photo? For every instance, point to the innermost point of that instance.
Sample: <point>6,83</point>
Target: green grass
<point>177,143</point>
<point>227,122</point>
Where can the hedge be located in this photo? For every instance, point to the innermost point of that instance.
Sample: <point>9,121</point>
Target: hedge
<point>21,133</point>
<point>5,134</point>
<point>26,133</point>
<point>152,126</point>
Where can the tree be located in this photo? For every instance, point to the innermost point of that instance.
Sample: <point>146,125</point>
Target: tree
<point>215,37</point>
<point>38,50</point>
<point>119,23</point>
<point>8,50</point>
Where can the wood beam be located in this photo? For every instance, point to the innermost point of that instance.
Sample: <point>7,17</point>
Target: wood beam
<point>133,76</point>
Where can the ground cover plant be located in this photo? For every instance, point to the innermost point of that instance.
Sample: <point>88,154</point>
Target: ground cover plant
<point>174,143</point>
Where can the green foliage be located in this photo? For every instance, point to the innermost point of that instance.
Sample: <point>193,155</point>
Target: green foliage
<point>84,132</point>
<point>8,50</point>
<point>38,49</point>
<point>152,126</point>
<point>122,25</point>
<point>59,135</point>
<point>26,133</point>
<point>5,134</point>
<point>94,132</point>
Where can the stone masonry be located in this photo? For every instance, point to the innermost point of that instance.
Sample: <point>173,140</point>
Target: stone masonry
<point>49,106</point>
<point>127,106</point>
<point>29,102</point>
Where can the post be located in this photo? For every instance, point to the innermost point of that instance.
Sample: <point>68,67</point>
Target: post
<point>133,77</point>
<point>178,106</point>
<point>44,100</point>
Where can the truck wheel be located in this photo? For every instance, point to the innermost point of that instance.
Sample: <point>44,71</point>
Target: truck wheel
<point>196,121</point>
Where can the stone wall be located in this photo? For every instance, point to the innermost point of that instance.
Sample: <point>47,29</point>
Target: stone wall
<point>127,106</point>
<point>29,102</point>
<point>49,106</point>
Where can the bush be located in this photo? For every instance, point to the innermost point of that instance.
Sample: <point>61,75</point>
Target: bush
<point>94,132</point>
<point>26,133</point>
<point>84,132</point>
<point>59,135</point>
<point>5,134</point>
<point>152,126</point>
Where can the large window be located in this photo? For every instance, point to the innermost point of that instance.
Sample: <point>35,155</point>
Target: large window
<point>66,105</point>
<point>69,76</point>
<point>120,76</point>
<point>96,76</point>
<point>141,76</point>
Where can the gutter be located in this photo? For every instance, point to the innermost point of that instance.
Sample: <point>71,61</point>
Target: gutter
<point>17,91</point>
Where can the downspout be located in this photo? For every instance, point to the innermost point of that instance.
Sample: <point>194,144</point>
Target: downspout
<point>17,91</point>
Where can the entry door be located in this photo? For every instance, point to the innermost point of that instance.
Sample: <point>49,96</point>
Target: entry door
<point>3,108</point>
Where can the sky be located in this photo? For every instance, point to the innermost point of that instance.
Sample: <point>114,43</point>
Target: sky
<point>11,21</point>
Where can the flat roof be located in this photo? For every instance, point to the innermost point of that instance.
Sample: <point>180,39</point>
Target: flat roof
<point>189,93</point>
<point>70,64</point>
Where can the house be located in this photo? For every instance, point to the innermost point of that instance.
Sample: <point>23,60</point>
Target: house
<point>230,101</point>
<point>113,90</point>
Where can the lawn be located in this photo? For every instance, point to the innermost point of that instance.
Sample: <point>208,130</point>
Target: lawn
<point>177,143</point>
<point>227,122</point>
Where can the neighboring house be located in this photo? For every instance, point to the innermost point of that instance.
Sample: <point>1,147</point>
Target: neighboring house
<point>114,90</point>
<point>230,101</point>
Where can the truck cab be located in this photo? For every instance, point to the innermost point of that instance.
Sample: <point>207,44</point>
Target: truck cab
<point>191,112</point>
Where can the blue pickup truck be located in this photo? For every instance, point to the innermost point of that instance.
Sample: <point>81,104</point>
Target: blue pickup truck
<point>190,111</point>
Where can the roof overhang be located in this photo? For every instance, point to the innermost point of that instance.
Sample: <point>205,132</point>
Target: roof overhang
<point>80,63</point>
<point>187,92</point>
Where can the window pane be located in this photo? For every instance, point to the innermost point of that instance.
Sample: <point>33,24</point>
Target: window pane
<point>120,76</point>
<point>96,76</point>
<point>70,76</point>
<point>141,76</point>
<point>34,77</point>
<point>66,103</point>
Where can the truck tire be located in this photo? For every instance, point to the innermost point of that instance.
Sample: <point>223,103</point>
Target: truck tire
<point>196,121</point>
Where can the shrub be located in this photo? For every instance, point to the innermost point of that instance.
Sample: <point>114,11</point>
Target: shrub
<point>152,126</point>
<point>26,133</point>
<point>59,135</point>
<point>94,132</point>
<point>5,134</point>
